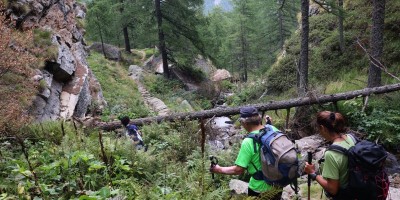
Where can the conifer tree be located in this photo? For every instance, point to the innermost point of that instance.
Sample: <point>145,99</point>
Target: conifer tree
<point>376,42</point>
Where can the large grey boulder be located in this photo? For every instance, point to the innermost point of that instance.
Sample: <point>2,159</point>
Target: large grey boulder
<point>135,72</point>
<point>63,68</point>
<point>222,133</point>
<point>84,101</point>
<point>47,107</point>
<point>205,65</point>
<point>238,186</point>
<point>111,52</point>
<point>220,74</point>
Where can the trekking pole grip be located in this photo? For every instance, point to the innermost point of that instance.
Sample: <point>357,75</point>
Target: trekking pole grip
<point>214,161</point>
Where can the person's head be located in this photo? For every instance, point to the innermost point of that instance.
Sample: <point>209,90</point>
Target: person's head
<point>125,121</point>
<point>330,123</point>
<point>249,118</point>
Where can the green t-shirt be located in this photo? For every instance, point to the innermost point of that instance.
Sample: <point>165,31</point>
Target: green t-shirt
<point>247,156</point>
<point>335,165</point>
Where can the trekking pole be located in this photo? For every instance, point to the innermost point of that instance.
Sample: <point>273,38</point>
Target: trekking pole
<point>214,161</point>
<point>309,155</point>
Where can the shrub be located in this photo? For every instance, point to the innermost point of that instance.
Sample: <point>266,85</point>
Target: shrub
<point>380,121</point>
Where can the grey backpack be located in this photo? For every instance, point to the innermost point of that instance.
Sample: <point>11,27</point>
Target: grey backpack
<point>278,157</point>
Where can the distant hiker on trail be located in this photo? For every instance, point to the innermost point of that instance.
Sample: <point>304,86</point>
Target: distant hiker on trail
<point>247,158</point>
<point>334,176</point>
<point>133,133</point>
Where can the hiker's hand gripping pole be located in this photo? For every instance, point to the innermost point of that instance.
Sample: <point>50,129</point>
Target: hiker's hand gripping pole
<point>309,158</point>
<point>214,161</point>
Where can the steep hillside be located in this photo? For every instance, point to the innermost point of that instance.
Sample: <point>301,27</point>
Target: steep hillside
<point>334,71</point>
<point>331,70</point>
<point>67,86</point>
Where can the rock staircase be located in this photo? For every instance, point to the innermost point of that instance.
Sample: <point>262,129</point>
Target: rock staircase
<point>153,103</point>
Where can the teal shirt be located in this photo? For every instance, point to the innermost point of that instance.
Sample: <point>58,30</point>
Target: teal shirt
<point>247,156</point>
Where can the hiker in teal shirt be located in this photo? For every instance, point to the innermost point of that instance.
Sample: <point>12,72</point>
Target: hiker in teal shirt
<point>247,159</point>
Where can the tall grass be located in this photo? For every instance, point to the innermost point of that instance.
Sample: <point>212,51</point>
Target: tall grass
<point>120,91</point>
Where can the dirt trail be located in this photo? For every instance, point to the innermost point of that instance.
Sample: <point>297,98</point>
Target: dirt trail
<point>155,104</point>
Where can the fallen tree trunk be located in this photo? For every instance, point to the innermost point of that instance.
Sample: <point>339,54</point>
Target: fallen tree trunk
<point>272,105</point>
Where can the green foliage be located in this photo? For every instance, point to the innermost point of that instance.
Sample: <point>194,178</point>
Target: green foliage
<point>195,73</point>
<point>72,166</point>
<point>42,37</point>
<point>380,121</point>
<point>327,63</point>
<point>248,93</point>
<point>107,18</point>
<point>172,93</point>
<point>248,38</point>
<point>120,91</point>
<point>282,76</point>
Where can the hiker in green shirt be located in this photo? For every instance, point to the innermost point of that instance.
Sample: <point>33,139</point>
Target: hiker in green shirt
<point>247,159</point>
<point>335,174</point>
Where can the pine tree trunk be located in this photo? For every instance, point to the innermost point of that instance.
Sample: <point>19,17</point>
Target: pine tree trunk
<point>125,30</point>
<point>280,21</point>
<point>303,67</point>
<point>376,42</point>
<point>126,40</point>
<point>341,31</point>
<point>101,36</point>
<point>161,39</point>
<point>243,53</point>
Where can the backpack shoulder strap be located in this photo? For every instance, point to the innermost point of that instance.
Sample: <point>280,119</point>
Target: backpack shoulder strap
<point>256,139</point>
<point>338,149</point>
<point>354,138</point>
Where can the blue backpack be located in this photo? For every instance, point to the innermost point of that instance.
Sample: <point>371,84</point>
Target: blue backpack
<point>278,157</point>
<point>133,133</point>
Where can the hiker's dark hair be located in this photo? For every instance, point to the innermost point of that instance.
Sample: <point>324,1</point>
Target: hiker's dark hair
<point>333,121</point>
<point>125,121</point>
<point>253,120</point>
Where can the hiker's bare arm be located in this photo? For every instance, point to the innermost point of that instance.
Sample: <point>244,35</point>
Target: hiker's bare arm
<point>329,185</point>
<point>232,170</point>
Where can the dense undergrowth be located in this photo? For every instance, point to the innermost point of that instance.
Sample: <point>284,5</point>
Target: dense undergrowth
<point>54,160</point>
<point>57,161</point>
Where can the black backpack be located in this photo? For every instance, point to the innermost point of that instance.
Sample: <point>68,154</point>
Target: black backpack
<point>368,179</point>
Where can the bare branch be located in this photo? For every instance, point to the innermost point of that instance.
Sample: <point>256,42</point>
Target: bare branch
<point>376,62</point>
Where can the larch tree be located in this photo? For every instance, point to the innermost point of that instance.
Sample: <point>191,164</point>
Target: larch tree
<point>161,38</point>
<point>98,19</point>
<point>376,42</point>
<point>302,80</point>
<point>124,24</point>
<point>178,22</point>
<point>340,25</point>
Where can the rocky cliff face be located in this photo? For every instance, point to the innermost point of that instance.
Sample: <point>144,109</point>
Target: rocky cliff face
<point>70,87</point>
